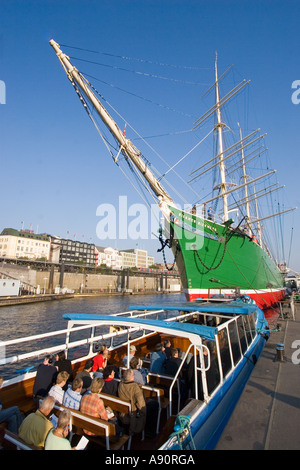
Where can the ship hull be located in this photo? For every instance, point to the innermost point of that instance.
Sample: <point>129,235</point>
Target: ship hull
<point>216,259</point>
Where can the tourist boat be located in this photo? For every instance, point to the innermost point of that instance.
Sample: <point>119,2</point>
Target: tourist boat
<point>213,254</point>
<point>220,341</point>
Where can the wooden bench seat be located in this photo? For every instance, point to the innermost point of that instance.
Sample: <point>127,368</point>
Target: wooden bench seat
<point>104,432</point>
<point>15,441</point>
<point>156,393</point>
<point>116,403</point>
<point>164,381</point>
<point>152,391</point>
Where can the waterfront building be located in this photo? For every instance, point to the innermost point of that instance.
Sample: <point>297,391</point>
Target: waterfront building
<point>150,261</point>
<point>128,259</point>
<point>72,252</point>
<point>109,257</point>
<point>136,257</point>
<point>24,244</point>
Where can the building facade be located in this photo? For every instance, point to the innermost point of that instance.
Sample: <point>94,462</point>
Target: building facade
<point>136,258</point>
<point>24,244</point>
<point>109,257</point>
<point>65,251</point>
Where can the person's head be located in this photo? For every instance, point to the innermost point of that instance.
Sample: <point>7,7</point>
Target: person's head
<point>128,375</point>
<point>77,385</point>
<point>134,363</point>
<point>109,372</point>
<point>102,348</point>
<point>174,352</point>
<point>62,378</point>
<point>63,422</point>
<point>60,356</point>
<point>49,359</point>
<point>89,364</point>
<point>47,405</point>
<point>159,347</point>
<point>97,385</point>
<point>167,343</point>
<point>132,349</point>
<point>105,353</point>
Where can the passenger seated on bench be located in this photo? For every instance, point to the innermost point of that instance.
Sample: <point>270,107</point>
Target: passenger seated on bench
<point>56,391</point>
<point>36,426</point>
<point>11,415</point>
<point>140,375</point>
<point>85,375</point>
<point>45,377</point>
<point>158,358</point>
<point>110,384</point>
<point>72,396</point>
<point>172,364</point>
<point>127,359</point>
<point>91,404</point>
<point>167,346</point>
<point>64,364</point>
<point>100,361</point>
<point>130,390</point>
<point>57,438</point>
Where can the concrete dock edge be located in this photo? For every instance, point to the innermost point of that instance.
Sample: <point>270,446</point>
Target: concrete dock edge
<point>267,416</point>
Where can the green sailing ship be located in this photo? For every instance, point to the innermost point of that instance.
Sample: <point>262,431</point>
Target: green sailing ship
<point>213,254</point>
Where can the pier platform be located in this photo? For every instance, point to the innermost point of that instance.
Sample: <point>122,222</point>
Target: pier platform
<point>267,416</point>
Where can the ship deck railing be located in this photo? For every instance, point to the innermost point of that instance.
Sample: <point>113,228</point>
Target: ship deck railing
<point>137,321</point>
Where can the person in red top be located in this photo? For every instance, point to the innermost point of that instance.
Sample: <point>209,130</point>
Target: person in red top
<point>100,361</point>
<point>91,404</point>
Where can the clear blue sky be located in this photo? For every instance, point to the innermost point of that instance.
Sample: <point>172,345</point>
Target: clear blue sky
<point>55,170</point>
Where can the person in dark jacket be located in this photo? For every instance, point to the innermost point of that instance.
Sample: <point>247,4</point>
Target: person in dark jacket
<point>172,364</point>
<point>45,377</point>
<point>85,375</point>
<point>64,364</point>
<point>167,346</point>
<point>110,384</point>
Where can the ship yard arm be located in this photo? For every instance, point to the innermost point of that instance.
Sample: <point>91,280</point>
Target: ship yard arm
<point>126,146</point>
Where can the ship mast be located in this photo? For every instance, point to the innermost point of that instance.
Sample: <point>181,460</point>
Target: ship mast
<point>126,147</point>
<point>246,186</point>
<point>219,126</point>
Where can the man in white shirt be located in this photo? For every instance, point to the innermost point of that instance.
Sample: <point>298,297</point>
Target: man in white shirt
<point>56,391</point>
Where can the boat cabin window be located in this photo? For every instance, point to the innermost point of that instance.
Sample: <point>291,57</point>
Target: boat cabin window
<point>252,324</point>
<point>242,334</point>
<point>83,349</point>
<point>213,374</point>
<point>235,342</point>
<point>247,329</point>
<point>224,351</point>
<point>120,339</point>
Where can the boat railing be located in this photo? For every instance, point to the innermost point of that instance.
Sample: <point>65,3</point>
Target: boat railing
<point>67,344</point>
